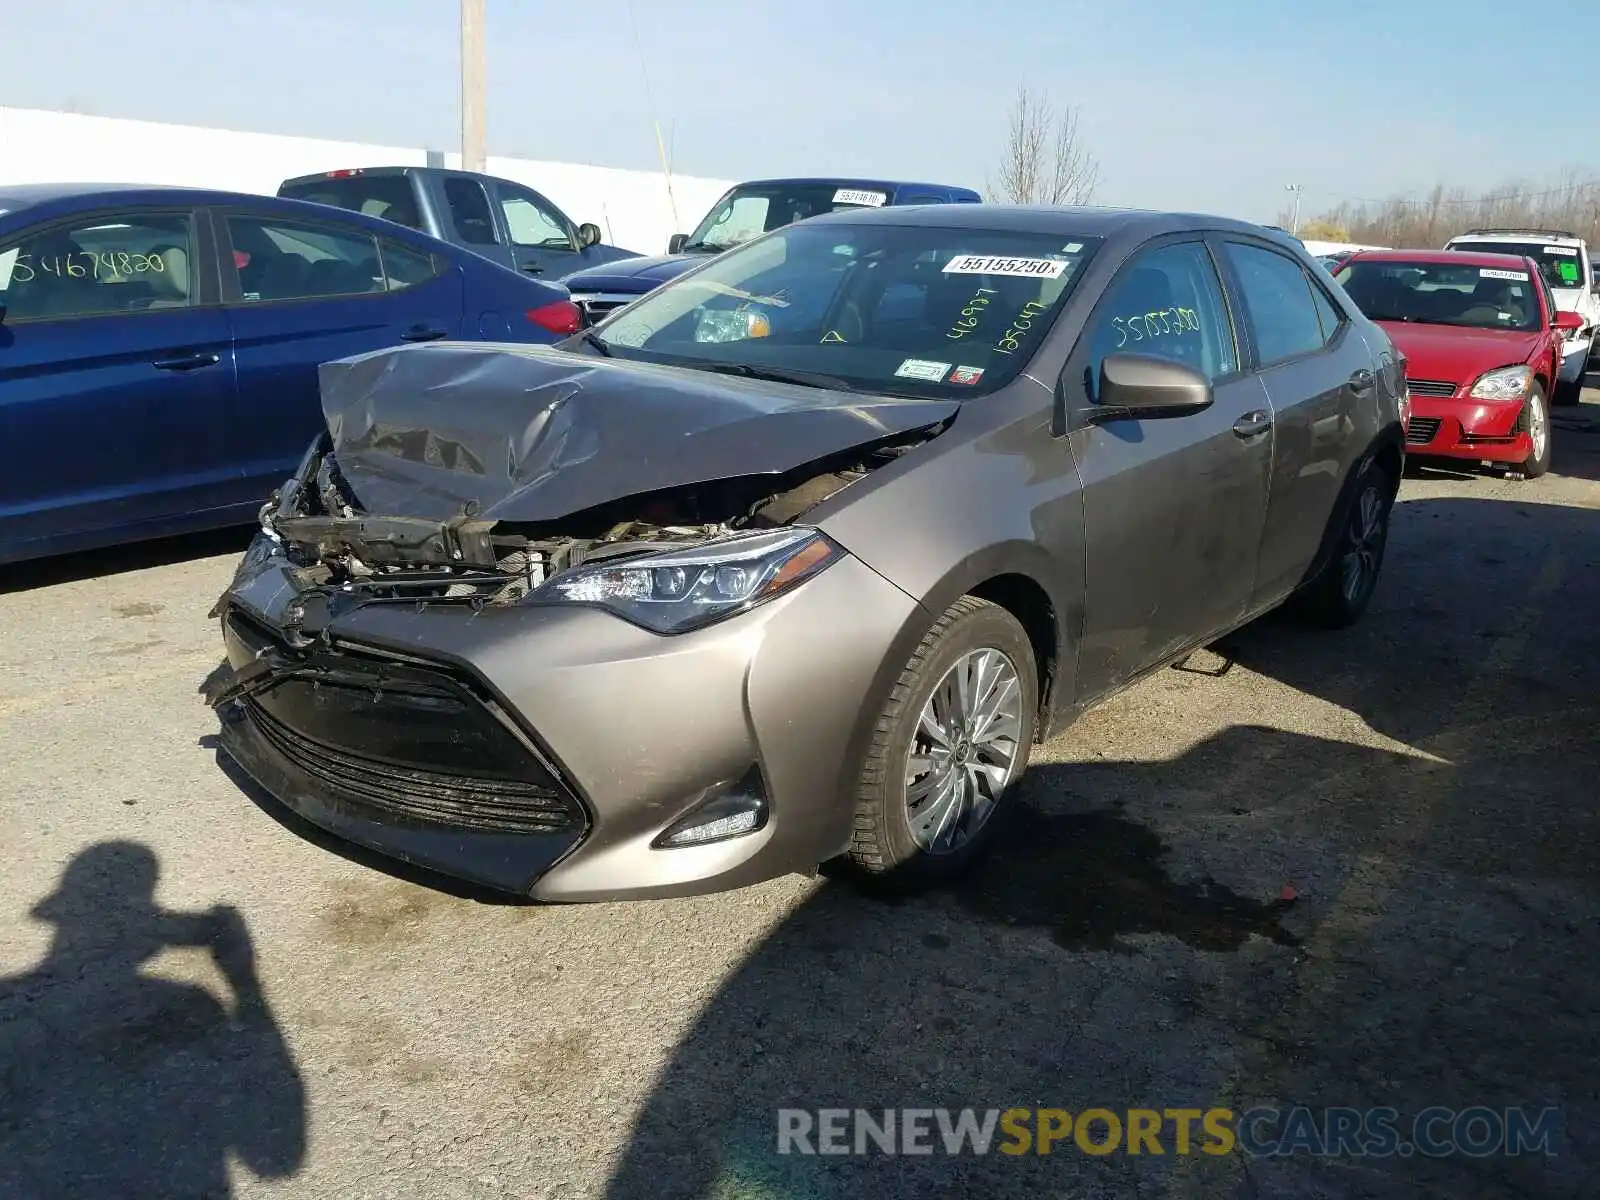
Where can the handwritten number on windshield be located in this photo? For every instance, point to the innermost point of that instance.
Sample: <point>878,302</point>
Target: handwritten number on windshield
<point>1011,339</point>
<point>970,314</point>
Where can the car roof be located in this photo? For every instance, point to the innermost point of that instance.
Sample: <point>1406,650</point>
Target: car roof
<point>848,181</point>
<point>1449,258</point>
<point>1518,235</point>
<point>15,197</point>
<point>64,199</point>
<point>1084,221</point>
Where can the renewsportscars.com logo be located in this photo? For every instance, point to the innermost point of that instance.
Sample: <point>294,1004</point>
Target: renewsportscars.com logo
<point>1261,1132</point>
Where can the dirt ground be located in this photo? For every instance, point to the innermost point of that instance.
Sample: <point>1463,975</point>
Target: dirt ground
<point>1350,869</point>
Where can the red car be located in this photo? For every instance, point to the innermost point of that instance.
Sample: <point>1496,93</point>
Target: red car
<point>1482,342</point>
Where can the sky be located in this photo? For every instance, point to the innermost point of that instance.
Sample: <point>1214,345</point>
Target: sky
<point>1204,105</point>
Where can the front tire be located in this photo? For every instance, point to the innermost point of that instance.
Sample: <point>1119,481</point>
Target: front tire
<point>1341,593</point>
<point>1536,417</point>
<point>953,738</point>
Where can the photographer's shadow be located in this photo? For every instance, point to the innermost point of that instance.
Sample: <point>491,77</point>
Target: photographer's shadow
<point>117,1082</point>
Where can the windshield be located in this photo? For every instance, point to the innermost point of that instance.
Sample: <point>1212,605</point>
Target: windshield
<point>753,209</point>
<point>1443,294</point>
<point>902,309</point>
<point>1560,265</point>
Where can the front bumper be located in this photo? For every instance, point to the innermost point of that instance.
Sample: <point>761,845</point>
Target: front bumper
<point>1481,430</point>
<point>541,750</point>
<point>1575,354</point>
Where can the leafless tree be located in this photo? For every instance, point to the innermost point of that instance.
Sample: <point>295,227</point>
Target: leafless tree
<point>1046,160</point>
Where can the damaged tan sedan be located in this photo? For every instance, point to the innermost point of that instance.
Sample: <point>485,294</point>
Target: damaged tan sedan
<point>794,559</point>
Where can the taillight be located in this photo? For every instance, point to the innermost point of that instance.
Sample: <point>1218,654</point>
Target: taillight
<point>561,316</point>
<point>342,174</point>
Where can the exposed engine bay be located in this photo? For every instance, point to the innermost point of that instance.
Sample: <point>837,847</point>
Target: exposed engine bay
<point>340,556</point>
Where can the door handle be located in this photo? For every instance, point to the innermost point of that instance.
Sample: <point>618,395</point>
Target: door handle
<point>1253,424</point>
<point>1361,382</point>
<point>422,333</point>
<point>533,268</point>
<point>186,362</point>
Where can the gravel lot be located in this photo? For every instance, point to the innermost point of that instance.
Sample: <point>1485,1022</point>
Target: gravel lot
<point>1425,783</point>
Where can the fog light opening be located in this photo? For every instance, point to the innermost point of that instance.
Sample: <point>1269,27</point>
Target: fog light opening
<point>739,810</point>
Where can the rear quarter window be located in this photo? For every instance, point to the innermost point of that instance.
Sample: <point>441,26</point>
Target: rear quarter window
<point>387,196</point>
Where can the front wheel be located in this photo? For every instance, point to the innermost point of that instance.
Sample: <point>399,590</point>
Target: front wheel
<point>953,738</point>
<point>1536,420</point>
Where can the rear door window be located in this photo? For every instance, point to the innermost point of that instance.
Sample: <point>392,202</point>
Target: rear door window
<point>469,210</point>
<point>1329,315</point>
<point>288,260</point>
<point>386,196</point>
<point>1277,295</point>
<point>116,263</point>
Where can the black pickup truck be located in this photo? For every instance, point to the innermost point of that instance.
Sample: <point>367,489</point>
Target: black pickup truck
<point>506,222</point>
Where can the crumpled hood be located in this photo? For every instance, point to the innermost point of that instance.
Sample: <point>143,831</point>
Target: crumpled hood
<point>531,433</point>
<point>1455,355</point>
<point>634,274</point>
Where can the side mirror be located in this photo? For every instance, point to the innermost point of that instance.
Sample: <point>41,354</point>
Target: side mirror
<point>1568,322</point>
<point>1138,387</point>
<point>588,235</point>
<point>677,242</point>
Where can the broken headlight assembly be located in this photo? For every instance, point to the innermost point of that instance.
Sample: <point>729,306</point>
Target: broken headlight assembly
<point>678,590</point>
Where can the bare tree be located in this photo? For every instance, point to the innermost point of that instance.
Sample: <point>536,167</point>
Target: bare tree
<point>1046,160</point>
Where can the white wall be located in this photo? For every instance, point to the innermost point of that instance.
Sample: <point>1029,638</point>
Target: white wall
<point>36,146</point>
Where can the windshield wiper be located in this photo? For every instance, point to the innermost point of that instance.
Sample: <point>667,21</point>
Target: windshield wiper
<point>703,248</point>
<point>588,338</point>
<point>776,374</point>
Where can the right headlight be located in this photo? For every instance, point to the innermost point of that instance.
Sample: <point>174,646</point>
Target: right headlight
<point>1506,383</point>
<point>678,590</point>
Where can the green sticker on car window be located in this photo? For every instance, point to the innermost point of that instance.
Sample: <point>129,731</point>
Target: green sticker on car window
<point>1568,270</point>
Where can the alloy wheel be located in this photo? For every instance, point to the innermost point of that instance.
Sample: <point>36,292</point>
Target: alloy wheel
<point>965,750</point>
<point>1538,427</point>
<point>1364,548</point>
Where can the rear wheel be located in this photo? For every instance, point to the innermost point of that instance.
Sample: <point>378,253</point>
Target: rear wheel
<point>1536,420</point>
<point>1340,594</point>
<point>953,738</point>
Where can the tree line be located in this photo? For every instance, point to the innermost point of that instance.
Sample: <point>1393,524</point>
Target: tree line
<point>1046,160</point>
<point>1571,205</point>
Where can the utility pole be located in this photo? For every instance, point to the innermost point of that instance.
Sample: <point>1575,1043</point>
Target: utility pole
<point>1296,188</point>
<point>474,90</point>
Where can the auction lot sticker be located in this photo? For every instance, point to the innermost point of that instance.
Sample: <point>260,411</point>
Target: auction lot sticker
<point>1491,273</point>
<point>857,196</point>
<point>921,368</point>
<point>991,264</point>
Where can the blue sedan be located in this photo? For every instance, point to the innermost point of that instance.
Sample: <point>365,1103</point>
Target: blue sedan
<point>159,347</point>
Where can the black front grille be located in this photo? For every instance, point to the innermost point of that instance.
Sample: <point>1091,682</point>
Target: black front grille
<point>1422,430</point>
<point>1430,387</point>
<point>409,743</point>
